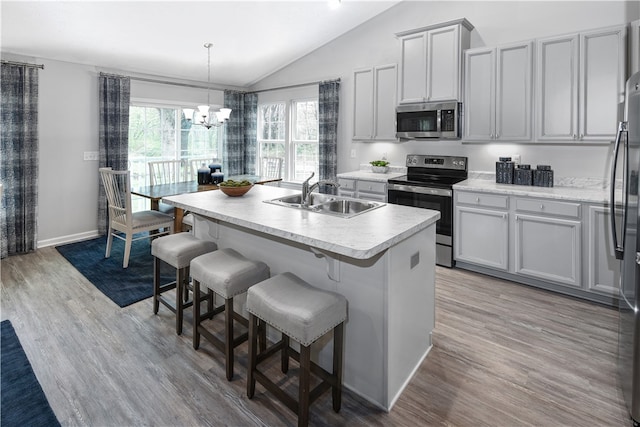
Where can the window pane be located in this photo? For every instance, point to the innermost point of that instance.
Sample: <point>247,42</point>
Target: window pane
<point>306,121</point>
<point>306,161</point>
<point>272,122</point>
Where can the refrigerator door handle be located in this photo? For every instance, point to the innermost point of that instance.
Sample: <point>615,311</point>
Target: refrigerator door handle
<point>617,249</point>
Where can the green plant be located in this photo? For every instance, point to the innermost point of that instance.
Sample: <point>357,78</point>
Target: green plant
<point>379,163</point>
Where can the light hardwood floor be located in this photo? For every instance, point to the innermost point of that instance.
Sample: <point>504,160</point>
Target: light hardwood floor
<point>504,355</point>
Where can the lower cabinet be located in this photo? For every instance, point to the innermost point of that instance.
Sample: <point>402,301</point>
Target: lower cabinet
<point>563,246</point>
<point>363,189</point>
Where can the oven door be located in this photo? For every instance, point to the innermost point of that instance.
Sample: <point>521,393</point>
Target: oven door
<point>437,199</point>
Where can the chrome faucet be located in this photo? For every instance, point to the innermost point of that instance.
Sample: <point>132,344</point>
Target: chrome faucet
<point>307,189</point>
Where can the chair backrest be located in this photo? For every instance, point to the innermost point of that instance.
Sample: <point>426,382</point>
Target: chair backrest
<point>271,167</point>
<point>117,185</point>
<point>167,171</point>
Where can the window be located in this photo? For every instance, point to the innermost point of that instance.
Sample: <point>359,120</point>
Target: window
<point>290,130</point>
<point>162,133</point>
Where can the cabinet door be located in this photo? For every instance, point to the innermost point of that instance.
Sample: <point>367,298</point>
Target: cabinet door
<point>482,237</point>
<point>603,269</point>
<point>513,92</point>
<point>548,249</point>
<point>634,47</point>
<point>363,104</point>
<point>603,66</point>
<point>557,88</point>
<point>413,68</point>
<point>384,122</point>
<point>443,64</point>
<point>479,104</point>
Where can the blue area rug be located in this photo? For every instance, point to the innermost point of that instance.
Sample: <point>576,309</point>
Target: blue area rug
<point>23,401</point>
<point>124,286</point>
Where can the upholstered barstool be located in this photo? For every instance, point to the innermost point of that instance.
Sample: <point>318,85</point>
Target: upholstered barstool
<point>227,273</point>
<point>177,250</point>
<point>305,314</point>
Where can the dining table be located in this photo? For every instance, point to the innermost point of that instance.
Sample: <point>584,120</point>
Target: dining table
<point>156,192</point>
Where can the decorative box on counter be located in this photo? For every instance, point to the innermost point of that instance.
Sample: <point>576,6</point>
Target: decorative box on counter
<point>543,176</point>
<point>523,175</point>
<point>504,170</point>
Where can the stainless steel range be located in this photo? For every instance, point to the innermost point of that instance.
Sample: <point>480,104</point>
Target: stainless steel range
<point>429,184</point>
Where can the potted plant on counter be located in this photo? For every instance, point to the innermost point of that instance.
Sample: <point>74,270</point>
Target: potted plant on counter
<point>379,166</point>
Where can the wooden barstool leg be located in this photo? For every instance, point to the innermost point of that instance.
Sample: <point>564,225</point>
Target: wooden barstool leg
<point>284,354</point>
<point>196,314</point>
<point>262,335</point>
<point>251,380</point>
<point>228,336</point>
<point>338,342</point>
<point>185,277</point>
<point>156,285</point>
<point>179,290</point>
<point>303,392</point>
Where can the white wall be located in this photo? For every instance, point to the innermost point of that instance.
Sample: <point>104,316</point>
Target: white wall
<point>374,43</point>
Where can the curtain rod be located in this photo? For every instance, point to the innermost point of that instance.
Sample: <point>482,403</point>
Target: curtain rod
<point>25,64</point>
<point>297,85</point>
<point>148,80</point>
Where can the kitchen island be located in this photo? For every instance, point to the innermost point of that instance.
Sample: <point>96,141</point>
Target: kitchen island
<point>382,261</point>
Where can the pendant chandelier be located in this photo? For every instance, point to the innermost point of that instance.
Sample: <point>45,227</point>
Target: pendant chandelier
<point>205,116</point>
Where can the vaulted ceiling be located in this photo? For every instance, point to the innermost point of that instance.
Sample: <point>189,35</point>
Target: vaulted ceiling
<point>251,39</point>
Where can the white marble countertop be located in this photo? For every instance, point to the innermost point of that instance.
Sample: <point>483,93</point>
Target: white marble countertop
<point>362,236</point>
<point>370,176</point>
<point>577,194</point>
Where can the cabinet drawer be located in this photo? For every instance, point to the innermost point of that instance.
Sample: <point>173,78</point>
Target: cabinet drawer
<point>549,207</point>
<point>372,187</point>
<point>483,199</point>
<point>347,184</point>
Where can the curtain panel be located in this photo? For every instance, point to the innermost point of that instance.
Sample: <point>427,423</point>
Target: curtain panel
<point>240,143</point>
<point>113,134</point>
<point>19,159</point>
<point>328,109</point>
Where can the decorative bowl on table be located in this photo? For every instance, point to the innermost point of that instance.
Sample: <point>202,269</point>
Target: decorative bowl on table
<point>235,188</point>
<point>379,166</point>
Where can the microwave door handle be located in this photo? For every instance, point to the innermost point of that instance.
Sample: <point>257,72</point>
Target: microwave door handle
<point>617,249</point>
<point>439,121</point>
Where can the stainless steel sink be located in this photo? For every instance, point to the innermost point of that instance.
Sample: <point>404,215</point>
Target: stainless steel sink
<point>344,207</point>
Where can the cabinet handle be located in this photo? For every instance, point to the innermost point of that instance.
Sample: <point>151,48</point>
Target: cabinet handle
<point>574,136</point>
<point>497,136</point>
<point>541,207</point>
<point>581,136</point>
<point>477,199</point>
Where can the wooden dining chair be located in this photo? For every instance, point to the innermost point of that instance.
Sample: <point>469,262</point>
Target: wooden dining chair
<point>117,185</point>
<point>167,171</point>
<point>271,167</point>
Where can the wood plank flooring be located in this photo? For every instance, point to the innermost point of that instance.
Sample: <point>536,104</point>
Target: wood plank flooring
<point>504,355</point>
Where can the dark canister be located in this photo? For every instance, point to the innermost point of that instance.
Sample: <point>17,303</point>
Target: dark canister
<point>523,175</point>
<point>215,166</point>
<point>504,170</point>
<point>204,175</point>
<point>217,177</point>
<point>543,176</point>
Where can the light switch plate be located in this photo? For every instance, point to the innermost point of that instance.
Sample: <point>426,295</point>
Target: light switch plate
<point>90,155</point>
<point>353,153</point>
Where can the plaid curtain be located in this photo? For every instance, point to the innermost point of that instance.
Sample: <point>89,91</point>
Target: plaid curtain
<point>328,108</point>
<point>19,159</point>
<point>240,144</point>
<point>115,92</point>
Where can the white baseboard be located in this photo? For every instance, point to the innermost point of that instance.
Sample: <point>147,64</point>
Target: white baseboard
<point>72,238</point>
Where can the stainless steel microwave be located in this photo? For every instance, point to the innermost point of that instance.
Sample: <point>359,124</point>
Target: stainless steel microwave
<point>429,120</point>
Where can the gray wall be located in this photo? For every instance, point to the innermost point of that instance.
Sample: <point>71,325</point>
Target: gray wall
<point>374,43</point>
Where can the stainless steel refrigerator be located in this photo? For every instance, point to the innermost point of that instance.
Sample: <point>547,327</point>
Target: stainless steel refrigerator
<point>626,242</point>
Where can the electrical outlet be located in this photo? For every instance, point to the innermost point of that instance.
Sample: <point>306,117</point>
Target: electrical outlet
<point>353,153</point>
<point>90,155</point>
<point>516,158</point>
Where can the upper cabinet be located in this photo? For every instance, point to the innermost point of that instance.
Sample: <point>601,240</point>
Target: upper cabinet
<point>431,62</point>
<point>498,93</point>
<point>580,85</point>
<point>634,47</point>
<point>374,103</point>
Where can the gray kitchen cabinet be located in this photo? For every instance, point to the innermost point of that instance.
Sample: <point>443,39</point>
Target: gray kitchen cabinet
<point>431,62</point>
<point>634,47</point>
<point>363,189</point>
<point>374,103</point>
<point>602,267</point>
<point>498,93</point>
<point>547,240</point>
<point>481,224</point>
<point>580,85</point>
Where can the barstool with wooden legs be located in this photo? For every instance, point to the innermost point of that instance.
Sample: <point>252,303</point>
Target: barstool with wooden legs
<point>177,250</point>
<point>227,273</point>
<point>305,314</point>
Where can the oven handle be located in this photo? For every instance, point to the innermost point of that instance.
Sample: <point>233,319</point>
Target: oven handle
<point>421,190</point>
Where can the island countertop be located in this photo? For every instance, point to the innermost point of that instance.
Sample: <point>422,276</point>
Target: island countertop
<point>362,236</point>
